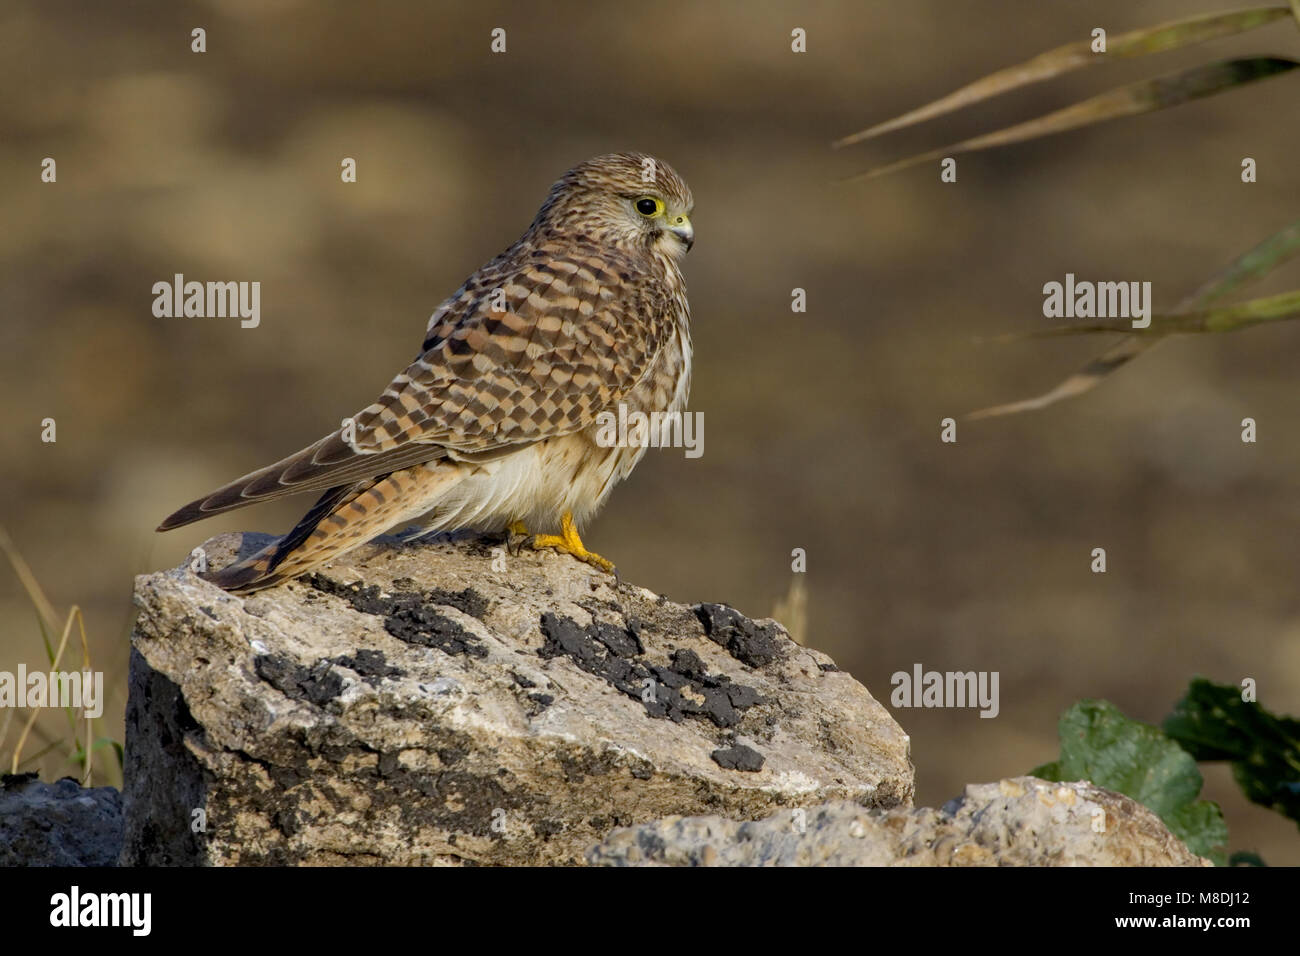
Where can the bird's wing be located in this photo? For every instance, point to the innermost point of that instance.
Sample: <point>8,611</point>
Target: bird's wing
<point>535,345</point>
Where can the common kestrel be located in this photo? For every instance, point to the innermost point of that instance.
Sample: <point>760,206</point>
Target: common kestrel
<point>494,425</point>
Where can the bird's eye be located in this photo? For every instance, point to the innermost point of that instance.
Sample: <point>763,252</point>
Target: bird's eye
<point>649,206</point>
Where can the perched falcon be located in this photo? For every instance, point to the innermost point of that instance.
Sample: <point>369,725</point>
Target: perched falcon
<point>494,426</point>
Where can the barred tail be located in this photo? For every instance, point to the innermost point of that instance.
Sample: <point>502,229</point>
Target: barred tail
<point>344,518</point>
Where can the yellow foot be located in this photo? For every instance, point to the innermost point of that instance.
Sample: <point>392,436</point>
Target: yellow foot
<point>568,542</point>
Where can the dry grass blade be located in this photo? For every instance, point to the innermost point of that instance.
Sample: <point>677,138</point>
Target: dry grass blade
<point>33,589</point>
<point>1081,381</point>
<point>49,620</point>
<point>49,746</point>
<point>73,615</point>
<point>1072,56</point>
<point>1145,96</point>
<point>1248,267</point>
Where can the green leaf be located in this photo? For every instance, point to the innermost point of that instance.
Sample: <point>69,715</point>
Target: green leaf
<point>1048,771</point>
<point>1100,744</point>
<point>1212,722</point>
<point>1200,825</point>
<point>1158,39</point>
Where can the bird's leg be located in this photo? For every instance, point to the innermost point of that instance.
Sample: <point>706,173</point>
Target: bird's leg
<point>516,536</point>
<point>568,542</point>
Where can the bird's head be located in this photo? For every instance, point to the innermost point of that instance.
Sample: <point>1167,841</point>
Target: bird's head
<point>629,199</point>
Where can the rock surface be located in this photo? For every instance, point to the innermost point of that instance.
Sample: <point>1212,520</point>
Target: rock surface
<point>454,703</point>
<point>1019,822</point>
<point>58,824</point>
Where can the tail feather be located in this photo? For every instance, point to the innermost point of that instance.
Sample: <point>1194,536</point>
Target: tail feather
<point>344,518</point>
<point>324,466</point>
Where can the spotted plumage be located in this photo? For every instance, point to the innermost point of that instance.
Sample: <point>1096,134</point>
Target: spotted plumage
<point>494,424</point>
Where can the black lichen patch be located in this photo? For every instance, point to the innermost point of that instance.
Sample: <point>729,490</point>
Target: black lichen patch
<point>317,684</point>
<point>467,600</point>
<point>738,757</point>
<point>747,642</point>
<point>413,621</point>
<point>414,617</point>
<point>370,664</point>
<point>625,642</point>
<point>682,689</point>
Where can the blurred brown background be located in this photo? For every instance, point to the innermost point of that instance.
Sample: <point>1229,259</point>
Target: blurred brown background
<point>822,429</point>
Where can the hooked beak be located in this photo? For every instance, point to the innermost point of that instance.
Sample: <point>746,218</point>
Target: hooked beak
<point>681,228</point>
